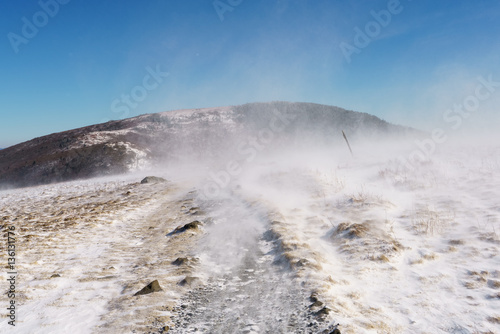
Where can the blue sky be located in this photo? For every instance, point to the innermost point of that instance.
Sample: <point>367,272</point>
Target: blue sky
<point>87,55</point>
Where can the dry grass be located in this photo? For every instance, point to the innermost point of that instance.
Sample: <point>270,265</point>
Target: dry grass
<point>495,284</point>
<point>431,222</point>
<point>418,261</point>
<point>494,319</point>
<point>494,296</point>
<point>423,258</point>
<point>379,326</point>
<point>352,230</point>
<point>430,257</point>
<point>490,237</point>
<point>478,279</point>
<point>367,240</point>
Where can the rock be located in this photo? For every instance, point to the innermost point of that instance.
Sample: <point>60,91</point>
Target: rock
<point>180,261</point>
<point>314,297</point>
<point>316,304</point>
<point>189,280</point>
<point>152,179</point>
<point>335,330</point>
<point>189,226</point>
<point>209,221</point>
<point>302,263</point>
<point>323,313</point>
<point>55,275</point>
<point>195,211</point>
<point>150,288</point>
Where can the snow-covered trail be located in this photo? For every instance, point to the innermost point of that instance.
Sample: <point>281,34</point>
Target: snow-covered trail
<point>249,289</point>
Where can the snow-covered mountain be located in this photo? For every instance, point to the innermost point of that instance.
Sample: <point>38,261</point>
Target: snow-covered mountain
<point>134,143</point>
<point>294,242</point>
<point>258,220</point>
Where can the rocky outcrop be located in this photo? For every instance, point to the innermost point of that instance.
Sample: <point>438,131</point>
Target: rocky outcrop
<point>150,288</point>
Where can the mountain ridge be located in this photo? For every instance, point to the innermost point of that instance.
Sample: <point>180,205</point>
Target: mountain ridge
<point>122,145</point>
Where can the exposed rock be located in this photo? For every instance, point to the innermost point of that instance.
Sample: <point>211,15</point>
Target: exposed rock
<point>189,281</point>
<point>189,226</point>
<point>314,297</point>
<point>152,179</point>
<point>302,263</point>
<point>323,313</point>
<point>150,288</point>
<point>209,221</point>
<point>332,330</point>
<point>316,304</point>
<point>180,261</point>
<point>194,211</point>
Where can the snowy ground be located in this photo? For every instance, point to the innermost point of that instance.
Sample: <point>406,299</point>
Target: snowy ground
<point>291,245</point>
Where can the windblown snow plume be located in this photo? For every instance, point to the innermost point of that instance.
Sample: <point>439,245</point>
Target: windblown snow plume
<point>281,231</point>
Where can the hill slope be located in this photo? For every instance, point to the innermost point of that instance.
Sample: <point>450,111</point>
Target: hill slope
<point>123,145</point>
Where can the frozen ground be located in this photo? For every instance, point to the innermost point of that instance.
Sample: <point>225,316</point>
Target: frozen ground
<point>291,245</point>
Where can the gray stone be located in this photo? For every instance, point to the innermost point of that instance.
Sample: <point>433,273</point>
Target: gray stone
<point>150,288</point>
<point>152,179</point>
<point>189,226</point>
<point>189,280</point>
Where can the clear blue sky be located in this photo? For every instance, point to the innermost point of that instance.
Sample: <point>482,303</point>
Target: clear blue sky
<point>90,53</point>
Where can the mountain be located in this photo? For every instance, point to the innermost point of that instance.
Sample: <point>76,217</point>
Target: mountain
<point>133,143</point>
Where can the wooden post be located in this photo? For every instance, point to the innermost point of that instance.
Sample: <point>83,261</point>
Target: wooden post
<point>345,137</point>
